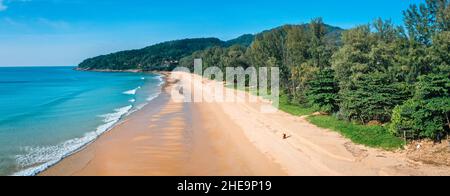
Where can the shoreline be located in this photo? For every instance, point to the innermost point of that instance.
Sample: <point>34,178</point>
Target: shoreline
<point>35,171</point>
<point>191,158</point>
<point>222,139</point>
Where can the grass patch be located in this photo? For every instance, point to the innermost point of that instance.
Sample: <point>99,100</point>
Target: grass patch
<point>372,136</point>
<point>252,91</point>
<point>292,108</point>
<point>284,104</point>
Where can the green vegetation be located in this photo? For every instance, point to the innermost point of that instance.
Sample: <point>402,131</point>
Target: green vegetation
<point>427,114</point>
<point>294,109</point>
<point>373,136</point>
<point>367,66</point>
<point>377,73</point>
<point>266,50</point>
<point>323,91</point>
<point>163,56</point>
<point>244,40</point>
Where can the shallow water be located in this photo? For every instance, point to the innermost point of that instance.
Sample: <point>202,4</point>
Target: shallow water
<point>47,113</point>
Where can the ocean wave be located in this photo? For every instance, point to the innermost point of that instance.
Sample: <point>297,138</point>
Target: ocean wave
<point>131,92</point>
<point>152,97</point>
<point>38,159</point>
<point>161,80</point>
<point>132,100</point>
<point>116,115</point>
<point>44,157</point>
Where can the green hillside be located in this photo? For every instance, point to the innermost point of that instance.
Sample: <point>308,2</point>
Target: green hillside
<point>161,56</point>
<point>166,55</point>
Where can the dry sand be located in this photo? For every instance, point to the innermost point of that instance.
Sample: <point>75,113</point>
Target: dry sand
<point>228,138</point>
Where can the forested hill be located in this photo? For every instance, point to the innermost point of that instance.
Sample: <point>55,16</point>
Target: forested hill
<point>244,40</point>
<point>166,55</point>
<point>161,56</point>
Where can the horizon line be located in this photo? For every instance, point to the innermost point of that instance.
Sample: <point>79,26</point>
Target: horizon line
<point>24,66</point>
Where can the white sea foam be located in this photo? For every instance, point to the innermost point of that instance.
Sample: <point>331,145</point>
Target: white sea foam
<point>138,107</point>
<point>132,100</point>
<point>38,159</point>
<point>111,117</point>
<point>152,97</point>
<point>131,92</point>
<point>161,80</point>
<point>44,157</point>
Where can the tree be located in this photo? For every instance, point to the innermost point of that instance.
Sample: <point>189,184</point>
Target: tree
<point>323,91</point>
<point>319,51</point>
<point>372,97</point>
<point>297,45</point>
<point>423,23</point>
<point>425,20</point>
<point>439,53</point>
<point>366,68</point>
<point>234,56</point>
<point>268,50</point>
<point>353,57</point>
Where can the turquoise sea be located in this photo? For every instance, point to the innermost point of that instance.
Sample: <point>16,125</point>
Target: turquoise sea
<point>47,113</point>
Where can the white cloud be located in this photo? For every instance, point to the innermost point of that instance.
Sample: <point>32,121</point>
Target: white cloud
<point>2,6</point>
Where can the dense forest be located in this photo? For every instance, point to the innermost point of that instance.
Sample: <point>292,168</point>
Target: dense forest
<point>377,73</point>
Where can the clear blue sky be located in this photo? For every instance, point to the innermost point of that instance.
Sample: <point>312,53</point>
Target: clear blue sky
<point>64,32</point>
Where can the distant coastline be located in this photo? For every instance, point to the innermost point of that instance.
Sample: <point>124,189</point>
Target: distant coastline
<point>111,70</point>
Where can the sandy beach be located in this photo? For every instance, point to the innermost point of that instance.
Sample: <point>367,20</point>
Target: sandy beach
<point>168,138</point>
